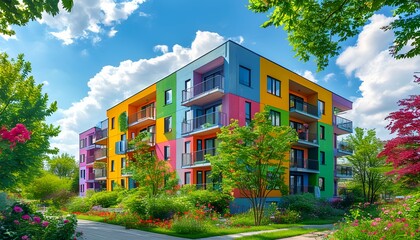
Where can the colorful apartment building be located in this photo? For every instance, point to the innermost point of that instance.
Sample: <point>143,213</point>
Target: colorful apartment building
<point>184,111</point>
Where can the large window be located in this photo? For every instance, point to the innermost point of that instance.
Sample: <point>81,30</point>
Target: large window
<point>168,96</point>
<point>187,179</point>
<point>245,76</point>
<point>273,86</point>
<point>166,152</point>
<point>321,108</point>
<point>168,124</point>
<point>247,113</point>
<point>275,118</point>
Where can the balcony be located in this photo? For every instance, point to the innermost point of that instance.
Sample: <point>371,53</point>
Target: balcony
<point>100,154</point>
<point>91,177</point>
<point>343,149</point>
<point>142,118</point>
<point>90,159</point>
<point>101,136</point>
<point>303,110</point>
<point>204,92</point>
<point>343,171</point>
<point>125,172</point>
<point>205,124</point>
<point>197,159</point>
<point>307,139</point>
<point>100,173</point>
<point>300,189</point>
<point>121,147</point>
<point>304,165</point>
<point>342,125</point>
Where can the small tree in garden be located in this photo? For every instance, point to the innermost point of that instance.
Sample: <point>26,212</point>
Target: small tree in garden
<point>403,151</point>
<point>149,172</point>
<point>367,166</point>
<point>63,165</point>
<point>253,160</point>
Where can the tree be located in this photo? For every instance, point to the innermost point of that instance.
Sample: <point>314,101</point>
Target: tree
<point>63,166</point>
<point>148,171</point>
<point>22,102</point>
<point>17,12</point>
<point>318,27</point>
<point>253,159</point>
<point>367,166</point>
<point>403,151</point>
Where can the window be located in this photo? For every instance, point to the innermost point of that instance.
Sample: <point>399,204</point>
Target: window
<point>321,182</point>
<point>112,185</point>
<point>168,124</point>
<point>187,177</point>
<point>82,174</point>
<point>273,86</point>
<point>123,183</point>
<point>90,142</point>
<point>322,156</point>
<point>322,134</point>
<point>166,152</point>
<point>83,143</point>
<point>112,165</point>
<point>247,113</point>
<point>112,123</point>
<point>321,108</point>
<point>275,118</point>
<point>82,158</point>
<point>168,96</point>
<point>245,76</point>
<point>123,163</point>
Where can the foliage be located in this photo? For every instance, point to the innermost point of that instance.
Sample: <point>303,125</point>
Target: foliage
<point>63,166</point>
<point>318,27</point>
<point>219,201</point>
<point>50,188</point>
<point>22,101</point>
<point>148,171</point>
<point>19,13</point>
<point>253,158</point>
<point>19,221</point>
<point>192,222</point>
<point>398,220</point>
<point>286,216</point>
<point>18,134</point>
<point>78,204</point>
<point>403,151</point>
<point>104,199</point>
<point>367,166</point>
<point>123,122</point>
<point>165,207</point>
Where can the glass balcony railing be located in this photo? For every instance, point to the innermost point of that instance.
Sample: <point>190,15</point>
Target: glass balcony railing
<point>100,173</point>
<point>204,89</point>
<point>300,189</point>
<point>343,148</point>
<point>343,171</point>
<point>142,116</point>
<point>343,124</point>
<point>198,157</point>
<point>100,153</point>
<point>299,106</point>
<point>300,164</point>
<point>101,134</point>
<point>204,122</point>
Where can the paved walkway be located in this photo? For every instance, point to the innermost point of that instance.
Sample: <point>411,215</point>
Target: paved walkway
<point>102,231</point>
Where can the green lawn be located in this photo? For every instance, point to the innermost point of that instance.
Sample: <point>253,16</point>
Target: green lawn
<point>280,234</point>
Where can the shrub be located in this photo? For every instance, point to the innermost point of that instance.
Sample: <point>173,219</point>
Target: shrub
<point>191,222</point>
<point>218,200</point>
<point>79,204</point>
<point>105,199</point>
<point>286,216</point>
<point>164,207</point>
<point>135,203</point>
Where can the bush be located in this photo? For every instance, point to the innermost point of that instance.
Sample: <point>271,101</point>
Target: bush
<point>189,223</point>
<point>164,207</point>
<point>286,216</point>
<point>104,199</point>
<point>79,204</point>
<point>218,200</point>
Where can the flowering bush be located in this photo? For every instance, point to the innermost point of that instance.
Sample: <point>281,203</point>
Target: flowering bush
<point>396,221</point>
<point>285,216</point>
<point>18,134</point>
<point>192,221</point>
<point>20,222</point>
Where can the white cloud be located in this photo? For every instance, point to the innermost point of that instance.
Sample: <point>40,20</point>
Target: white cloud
<point>45,83</point>
<point>161,48</point>
<point>115,83</point>
<point>385,80</point>
<point>89,19</point>
<point>308,75</point>
<point>328,77</point>
<point>84,53</point>
<point>7,37</point>
<point>143,14</point>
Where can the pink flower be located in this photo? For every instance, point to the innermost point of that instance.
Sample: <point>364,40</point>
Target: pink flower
<point>45,224</point>
<point>66,221</point>
<point>17,209</point>
<point>26,217</point>
<point>25,237</point>
<point>37,219</point>
<point>377,219</point>
<point>374,224</point>
<point>16,222</point>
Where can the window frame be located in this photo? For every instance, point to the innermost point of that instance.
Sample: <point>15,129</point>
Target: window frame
<point>322,132</point>
<point>272,83</point>
<point>321,103</point>
<point>321,188</point>
<point>248,109</point>
<point>166,152</point>
<point>112,166</point>
<point>248,83</point>
<point>113,123</point>
<point>271,117</point>
<point>168,97</point>
<point>322,157</point>
<point>167,124</point>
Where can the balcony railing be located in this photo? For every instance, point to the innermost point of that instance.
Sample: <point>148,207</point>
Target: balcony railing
<point>142,116</point>
<point>211,89</point>
<point>100,173</point>
<point>343,148</point>
<point>304,165</point>
<point>100,153</point>
<point>204,122</point>
<point>343,171</point>
<point>298,106</point>
<point>307,139</point>
<point>300,189</point>
<point>91,176</point>
<point>197,158</point>
<point>90,159</point>
<point>343,124</point>
<point>101,134</point>
<point>210,186</point>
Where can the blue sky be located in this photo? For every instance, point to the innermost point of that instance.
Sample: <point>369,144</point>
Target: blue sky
<point>106,50</point>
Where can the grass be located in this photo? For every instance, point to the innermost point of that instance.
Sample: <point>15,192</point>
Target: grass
<point>279,234</point>
<point>90,218</point>
<point>321,221</point>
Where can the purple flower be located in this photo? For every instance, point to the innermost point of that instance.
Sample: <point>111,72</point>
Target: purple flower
<point>45,224</point>
<point>17,209</point>
<point>25,237</point>
<point>37,219</point>
<point>16,222</point>
<point>26,217</point>
<point>66,221</point>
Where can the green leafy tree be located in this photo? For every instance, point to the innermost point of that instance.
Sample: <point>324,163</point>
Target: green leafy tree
<point>368,168</point>
<point>63,166</point>
<point>20,12</point>
<point>153,174</point>
<point>22,101</point>
<point>318,27</point>
<point>253,159</point>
